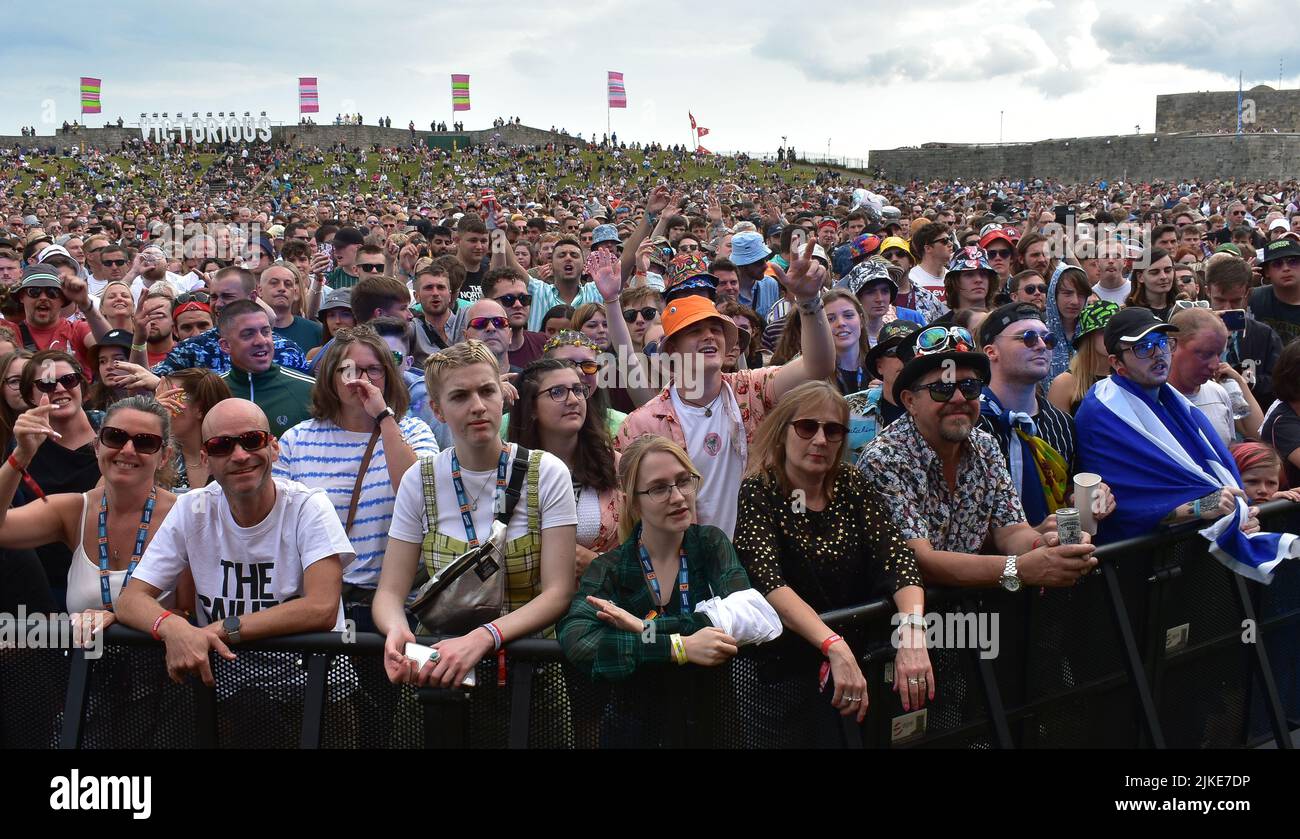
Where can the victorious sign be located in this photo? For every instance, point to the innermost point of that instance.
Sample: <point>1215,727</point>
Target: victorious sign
<point>183,129</point>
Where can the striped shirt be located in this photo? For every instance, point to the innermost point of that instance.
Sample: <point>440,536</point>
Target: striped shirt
<point>319,454</point>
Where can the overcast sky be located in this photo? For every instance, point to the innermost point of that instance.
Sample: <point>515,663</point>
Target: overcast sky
<point>861,74</point>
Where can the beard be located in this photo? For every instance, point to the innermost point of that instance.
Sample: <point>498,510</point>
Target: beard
<point>956,428</point>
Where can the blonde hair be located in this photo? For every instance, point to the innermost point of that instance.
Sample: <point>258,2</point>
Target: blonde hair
<point>1082,365</point>
<point>456,357</point>
<point>767,455</point>
<point>629,469</point>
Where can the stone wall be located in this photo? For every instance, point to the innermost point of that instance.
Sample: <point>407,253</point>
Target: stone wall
<point>1141,157</point>
<point>1216,111</point>
<point>110,139</point>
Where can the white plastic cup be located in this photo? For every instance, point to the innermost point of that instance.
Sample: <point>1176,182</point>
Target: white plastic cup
<point>1084,485</point>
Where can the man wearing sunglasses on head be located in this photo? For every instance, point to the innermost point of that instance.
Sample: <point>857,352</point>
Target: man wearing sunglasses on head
<point>1161,456</point>
<point>1037,439</point>
<point>946,482</point>
<point>266,554</point>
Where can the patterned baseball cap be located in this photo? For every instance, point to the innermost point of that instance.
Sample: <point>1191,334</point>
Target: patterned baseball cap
<point>1094,316</point>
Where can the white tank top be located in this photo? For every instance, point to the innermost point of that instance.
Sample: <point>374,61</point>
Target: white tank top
<point>83,575</point>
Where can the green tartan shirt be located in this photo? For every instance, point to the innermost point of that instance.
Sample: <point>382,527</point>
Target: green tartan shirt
<point>613,654</point>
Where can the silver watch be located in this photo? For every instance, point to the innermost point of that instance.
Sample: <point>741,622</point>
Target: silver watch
<point>1010,580</point>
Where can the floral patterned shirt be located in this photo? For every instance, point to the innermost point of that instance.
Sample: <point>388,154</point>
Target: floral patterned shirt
<point>908,473</point>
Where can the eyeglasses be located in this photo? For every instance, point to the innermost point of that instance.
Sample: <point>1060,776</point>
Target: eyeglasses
<point>588,368</point>
<point>1034,289</point>
<point>116,438</point>
<point>13,381</point>
<point>1030,337</point>
<point>192,297</point>
<point>807,429</point>
<point>560,393</point>
<point>660,492</point>
<point>1147,349</point>
<point>1287,261</point>
<point>937,338</point>
<point>373,372</point>
<point>688,248</point>
<point>224,446</point>
<point>482,323</point>
<point>999,253</point>
<point>68,380</point>
<point>113,263</point>
<point>370,267</point>
<point>46,292</point>
<point>509,300</point>
<point>943,391</point>
<point>1180,305</point>
<point>648,313</point>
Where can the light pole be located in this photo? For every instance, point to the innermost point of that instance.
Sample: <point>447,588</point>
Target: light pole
<point>1001,114</point>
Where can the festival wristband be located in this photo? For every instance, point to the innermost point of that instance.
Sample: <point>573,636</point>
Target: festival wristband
<point>139,347</point>
<point>28,480</point>
<point>495,633</point>
<point>679,648</point>
<point>157,622</point>
<point>826,645</point>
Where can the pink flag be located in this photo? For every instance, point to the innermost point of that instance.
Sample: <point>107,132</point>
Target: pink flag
<point>308,98</point>
<point>617,93</point>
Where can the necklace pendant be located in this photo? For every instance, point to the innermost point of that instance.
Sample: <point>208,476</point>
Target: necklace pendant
<point>708,412</point>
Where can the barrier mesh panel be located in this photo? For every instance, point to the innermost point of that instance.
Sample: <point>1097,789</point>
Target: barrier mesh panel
<point>364,710</point>
<point>134,705</point>
<point>33,684</point>
<point>260,699</point>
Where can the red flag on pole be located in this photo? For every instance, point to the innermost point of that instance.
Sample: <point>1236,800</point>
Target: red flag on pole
<point>692,116</point>
<point>703,132</point>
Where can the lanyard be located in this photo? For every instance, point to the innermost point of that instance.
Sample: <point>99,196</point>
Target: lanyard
<point>466,514</point>
<point>683,583</point>
<point>145,517</point>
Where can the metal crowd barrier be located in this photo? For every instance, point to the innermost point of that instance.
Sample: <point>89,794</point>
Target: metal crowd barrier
<point>1162,647</point>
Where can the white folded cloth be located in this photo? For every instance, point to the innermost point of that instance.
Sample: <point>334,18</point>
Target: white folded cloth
<point>744,615</point>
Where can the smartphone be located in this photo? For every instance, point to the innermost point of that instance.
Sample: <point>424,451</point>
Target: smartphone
<point>328,249</point>
<point>421,654</point>
<point>1234,319</point>
<point>798,238</point>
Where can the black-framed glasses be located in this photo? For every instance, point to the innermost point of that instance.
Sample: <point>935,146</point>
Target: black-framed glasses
<point>1152,346</point>
<point>1030,337</point>
<point>373,372</point>
<point>224,445</point>
<point>113,263</point>
<point>943,391</point>
<point>509,300</point>
<point>560,393</point>
<point>807,429</point>
<point>116,438</point>
<point>999,253</point>
<point>660,492</point>
<point>370,268</point>
<point>482,323</point>
<point>647,313</point>
<point>68,380</point>
<point>43,291</point>
<point>1037,288</point>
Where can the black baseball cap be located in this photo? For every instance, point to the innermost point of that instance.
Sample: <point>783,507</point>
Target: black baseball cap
<point>1003,316</point>
<point>1132,324</point>
<point>1280,249</point>
<point>892,336</point>
<point>348,236</point>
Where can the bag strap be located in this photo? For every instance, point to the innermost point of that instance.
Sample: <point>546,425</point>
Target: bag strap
<point>518,471</point>
<point>361,476</point>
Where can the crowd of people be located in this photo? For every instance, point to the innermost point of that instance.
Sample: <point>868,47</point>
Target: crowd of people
<point>660,419</point>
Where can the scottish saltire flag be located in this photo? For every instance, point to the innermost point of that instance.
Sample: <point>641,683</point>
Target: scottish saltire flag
<point>1158,454</point>
<point>459,92</point>
<point>308,96</point>
<point>617,93</point>
<point>89,95</point>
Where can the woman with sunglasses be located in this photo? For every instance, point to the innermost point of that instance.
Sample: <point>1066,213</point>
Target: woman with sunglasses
<point>11,398</point>
<point>814,537</point>
<point>359,425</point>
<point>189,394</point>
<point>552,414</point>
<point>666,564</point>
<point>106,528</point>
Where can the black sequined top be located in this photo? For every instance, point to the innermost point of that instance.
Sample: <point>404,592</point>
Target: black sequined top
<point>842,556</point>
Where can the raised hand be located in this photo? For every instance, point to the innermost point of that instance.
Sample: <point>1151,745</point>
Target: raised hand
<point>603,267</point>
<point>806,277</point>
<point>32,428</point>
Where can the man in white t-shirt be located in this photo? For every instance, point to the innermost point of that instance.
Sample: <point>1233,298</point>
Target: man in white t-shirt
<point>1197,368</point>
<point>932,246</point>
<point>266,554</point>
<point>1107,271</point>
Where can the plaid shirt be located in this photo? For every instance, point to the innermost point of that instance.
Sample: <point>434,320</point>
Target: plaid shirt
<point>615,654</point>
<point>203,352</point>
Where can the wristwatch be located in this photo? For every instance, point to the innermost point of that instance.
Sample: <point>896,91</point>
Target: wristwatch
<point>1009,579</point>
<point>387,412</point>
<point>231,626</point>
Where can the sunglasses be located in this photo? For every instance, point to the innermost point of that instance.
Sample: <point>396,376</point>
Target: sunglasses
<point>999,253</point>
<point>224,446</point>
<point>938,338</point>
<point>807,429</point>
<point>509,300</point>
<point>68,380</point>
<point>482,323</point>
<point>560,393</point>
<point>1034,289</point>
<point>113,263</point>
<point>371,268</point>
<point>649,313</point>
<point>1029,338</point>
<point>116,438</point>
<point>588,368</point>
<point>1180,305</point>
<point>192,297</point>
<point>943,391</point>
<point>1161,345</point>
<point>49,293</point>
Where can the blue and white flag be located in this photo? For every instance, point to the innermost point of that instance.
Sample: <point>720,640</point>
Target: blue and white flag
<point>1158,454</point>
